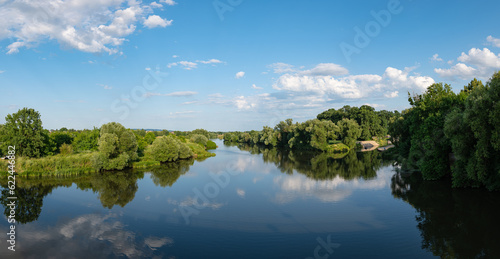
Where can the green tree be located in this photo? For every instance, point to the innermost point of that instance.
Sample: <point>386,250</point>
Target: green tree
<point>86,140</point>
<point>201,132</point>
<point>199,139</point>
<point>168,149</point>
<point>117,147</point>
<point>149,137</point>
<point>349,132</point>
<point>23,130</point>
<point>59,138</point>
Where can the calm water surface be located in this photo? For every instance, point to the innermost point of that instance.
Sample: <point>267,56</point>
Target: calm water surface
<point>254,203</point>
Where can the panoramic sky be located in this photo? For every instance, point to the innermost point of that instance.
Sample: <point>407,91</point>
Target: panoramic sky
<point>234,64</point>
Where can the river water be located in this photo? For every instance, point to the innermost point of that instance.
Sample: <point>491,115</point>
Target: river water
<point>249,202</point>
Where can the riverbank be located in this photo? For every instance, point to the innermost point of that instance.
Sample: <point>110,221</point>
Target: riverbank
<point>80,163</point>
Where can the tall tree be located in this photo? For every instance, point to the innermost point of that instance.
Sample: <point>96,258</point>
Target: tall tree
<point>24,131</point>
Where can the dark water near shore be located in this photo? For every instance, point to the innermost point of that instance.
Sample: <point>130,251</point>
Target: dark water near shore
<point>249,202</point>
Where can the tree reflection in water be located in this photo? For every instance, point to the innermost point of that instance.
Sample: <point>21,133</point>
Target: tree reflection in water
<point>454,223</point>
<point>322,166</point>
<point>113,187</point>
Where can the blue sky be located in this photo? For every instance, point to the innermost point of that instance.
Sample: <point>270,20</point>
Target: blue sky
<point>234,64</point>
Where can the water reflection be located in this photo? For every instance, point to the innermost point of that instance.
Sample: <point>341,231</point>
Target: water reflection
<point>322,166</point>
<point>105,237</point>
<point>113,188</point>
<point>29,201</point>
<point>454,223</point>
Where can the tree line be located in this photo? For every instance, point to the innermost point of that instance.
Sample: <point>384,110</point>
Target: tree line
<point>332,131</point>
<point>458,134</point>
<point>110,147</point>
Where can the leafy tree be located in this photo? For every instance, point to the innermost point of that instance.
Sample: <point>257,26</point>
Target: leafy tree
<point>474,131</point>
<point>201,132</point>
<point>199,139</point>
<point>168,149</point>
<point>23,130</point>
<point>149,137</point>
<point>268,136</point>
<point>59,138</point>
<point>86,140</point>
<point>285,131</point>
<point>349,132</point>
<point>117,147</point>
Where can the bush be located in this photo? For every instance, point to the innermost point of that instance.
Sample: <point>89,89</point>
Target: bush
<point>66,149</point>
<point>118,146</point>
<point>199,139</point>
<point>164,149</point>
<point>211,145</point>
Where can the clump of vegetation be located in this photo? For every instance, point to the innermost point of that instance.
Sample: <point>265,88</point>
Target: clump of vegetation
<point>65,149</point>
<point>211,145</point>
<point>441,124</point>
<point>168,149</point>
<point>117,148</point>
<point>199,139</point>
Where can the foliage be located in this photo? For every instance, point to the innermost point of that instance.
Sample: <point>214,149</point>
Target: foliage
<point>86,140</point>
<point>350,131</point>
<point>58,138</point>
<point>474,131</point>
<point>201,132</point>
<point>168,149</point>
<point>23,130</point>
<point>443,126</point>
<point>199,139</point>
<point>117,147</point>
<point>211,145</point>
<point>65,149</point>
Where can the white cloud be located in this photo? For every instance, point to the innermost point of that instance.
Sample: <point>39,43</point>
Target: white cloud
<point>148,68</point>
<point>459,70</point>
<point>480,63</point>
<point>353,86</point>
<point>326,69</point>
<point>256,87</point>
<point>175,56</point>
<point>182,93</point>
<point>436,57</point>
<point>280,68</point>
<point>155,5</point>
<point>239,75</point>
<point>2,71</point>
<point>174,94</point>
<point>243,103</point>
<point>494,41</point>
<point>211,61</point>
<point>88,26</point>
<point>156,21</point>
<point>168,2</point>
<point>392,94</point>
<point>482,58</point>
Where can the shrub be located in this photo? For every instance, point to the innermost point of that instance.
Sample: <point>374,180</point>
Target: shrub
<point>199,139</point>
<point>66,149</point>
<point>211,145</point>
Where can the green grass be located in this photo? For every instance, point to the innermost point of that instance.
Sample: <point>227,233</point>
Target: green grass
<point>381,142</point>
<point>337,148</point>
<point>52,165</point>
<point>199,150</point>
<point>81,163</point>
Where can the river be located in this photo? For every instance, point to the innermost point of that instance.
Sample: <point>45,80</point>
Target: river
<point>249,202</point>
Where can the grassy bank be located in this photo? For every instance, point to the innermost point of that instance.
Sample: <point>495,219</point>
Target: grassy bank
<point>78,163</point>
